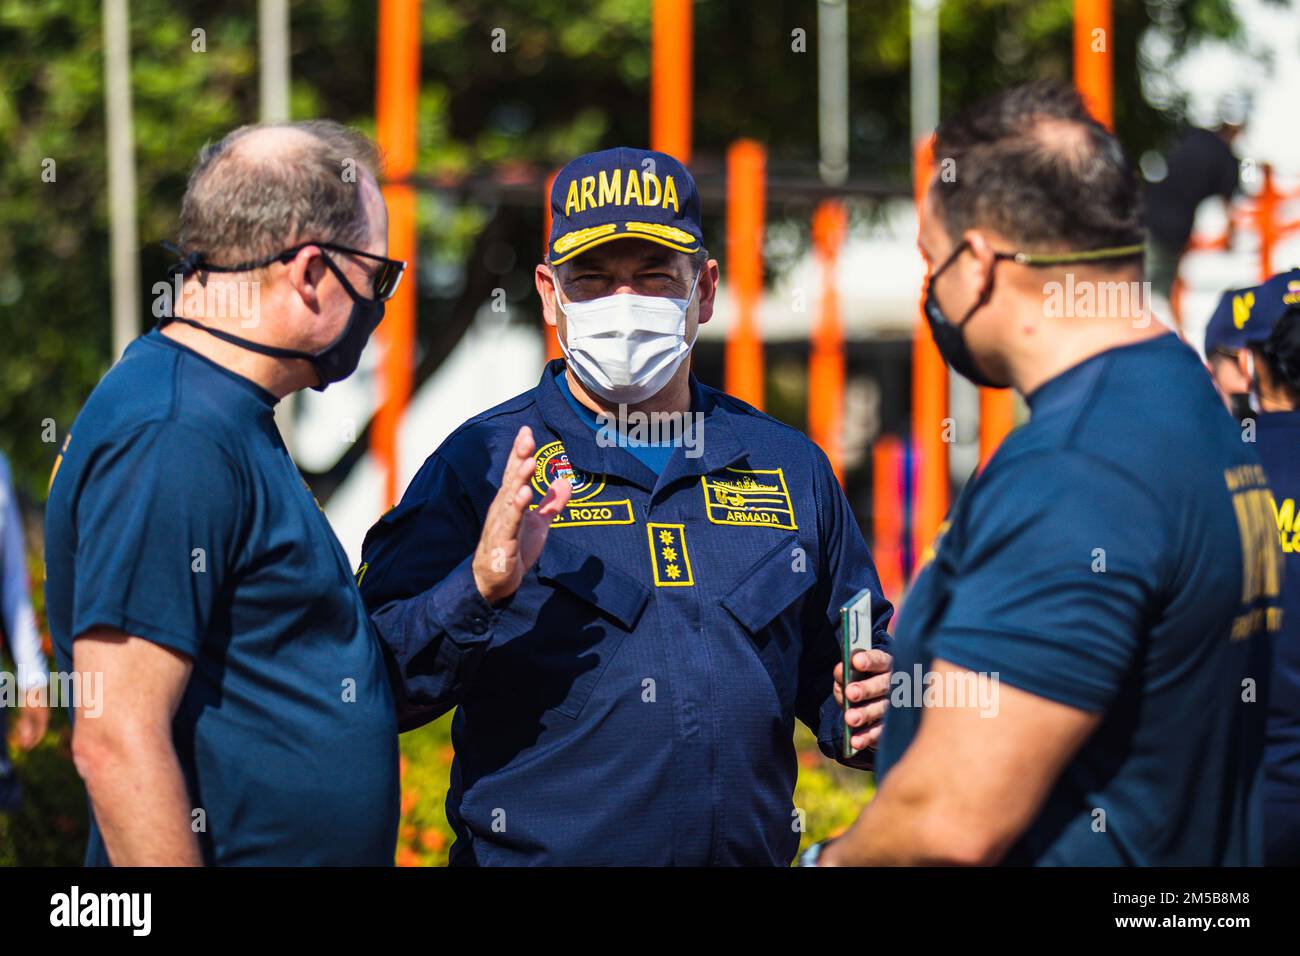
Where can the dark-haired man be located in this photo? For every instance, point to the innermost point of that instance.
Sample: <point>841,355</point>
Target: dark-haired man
<point>1225,338</point>
<point>246,714</point>
<point>1076,674</point>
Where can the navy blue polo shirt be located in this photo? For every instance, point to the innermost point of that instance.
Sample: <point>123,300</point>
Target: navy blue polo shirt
<point>1277,436</point>
<point>1116,555</point>
<point>634,701</point>
<point>176,515</point>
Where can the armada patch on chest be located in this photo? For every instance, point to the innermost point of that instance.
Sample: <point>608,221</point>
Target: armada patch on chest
<point>754,497</point>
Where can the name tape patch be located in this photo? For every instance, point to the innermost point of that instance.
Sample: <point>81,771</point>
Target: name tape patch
<point>593,512</point>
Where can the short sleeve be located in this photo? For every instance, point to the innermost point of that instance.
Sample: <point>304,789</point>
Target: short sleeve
<point>1059,565</point>
<point>158,517</point>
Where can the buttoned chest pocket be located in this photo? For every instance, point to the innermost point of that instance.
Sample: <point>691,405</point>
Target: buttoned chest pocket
<point>767,603</point>
<point>562,630</point>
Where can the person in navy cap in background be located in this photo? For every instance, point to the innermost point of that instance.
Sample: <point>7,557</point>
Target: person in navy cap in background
<point>1268,362</point>
<point>1088,636</point>
<point>1224,339</point>
<point>627,582</point>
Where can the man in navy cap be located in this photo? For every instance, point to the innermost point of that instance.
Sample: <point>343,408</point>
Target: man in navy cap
<point>628,582</point>
<point>1225,338</point>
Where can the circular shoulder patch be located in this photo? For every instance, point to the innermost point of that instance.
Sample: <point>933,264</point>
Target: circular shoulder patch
<point>552,463</point>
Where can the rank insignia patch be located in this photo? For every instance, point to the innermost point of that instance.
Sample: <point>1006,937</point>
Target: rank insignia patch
<point>749,496</point>
<point>668,557</point>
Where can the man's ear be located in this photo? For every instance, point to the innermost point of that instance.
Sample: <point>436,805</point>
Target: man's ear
<point>306,272</point>
<point>1245,365</point>
<point>546,291</point>
<point>982,252</point>
<point>708,290</point>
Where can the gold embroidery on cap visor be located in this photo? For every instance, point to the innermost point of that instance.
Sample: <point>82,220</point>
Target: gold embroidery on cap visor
<point>572,243</point>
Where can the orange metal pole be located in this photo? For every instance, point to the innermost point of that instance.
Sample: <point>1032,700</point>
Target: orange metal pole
<point>549,333</point>
<point>671,78</point>
<point>826,363</point>
<point>746,162</point>
<point>887,513</point>
<point>397,90</point>
<point>1266,221</point>
<point>929,400</point>
<point>1092,58</point>
<point>997,418</point>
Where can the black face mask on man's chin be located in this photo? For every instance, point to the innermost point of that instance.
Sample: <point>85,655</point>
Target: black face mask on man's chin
<point>335,361</point>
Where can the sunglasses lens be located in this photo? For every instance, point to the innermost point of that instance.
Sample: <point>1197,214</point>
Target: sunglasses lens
<point>387,280</point>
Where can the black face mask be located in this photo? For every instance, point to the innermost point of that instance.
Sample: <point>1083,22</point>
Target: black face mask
<point>1239,402</point>
<point>335,361</point>
<point>948,336</point>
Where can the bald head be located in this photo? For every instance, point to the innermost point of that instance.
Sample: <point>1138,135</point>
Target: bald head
<point>263,189</point>
<point>1032,165</point>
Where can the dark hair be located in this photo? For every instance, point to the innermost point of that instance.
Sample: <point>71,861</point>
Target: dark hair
<point>1032,164</point>
<point>1282,350</point>
<point>242,205</point>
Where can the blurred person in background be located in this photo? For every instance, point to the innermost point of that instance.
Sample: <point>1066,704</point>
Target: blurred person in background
<point>23,641</point>
<point>1107,586</point>
<point>246,716</point>
<point>1269,364</point>
<point>1201,166</point>
<point>1224,340</point>
<point>627,625</point>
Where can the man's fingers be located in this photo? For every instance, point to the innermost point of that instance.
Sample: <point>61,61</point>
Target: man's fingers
<point>557,496</point>
<point>874,661</point>
<point>514,472</point>
<point>510,516</point>
<point>877,686</point>
<point>866,714</point>
<point>868,739</point>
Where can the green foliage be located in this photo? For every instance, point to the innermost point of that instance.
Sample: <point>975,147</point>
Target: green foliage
<point>828,797</point>
<point>50,828</point>
<point>574,77</point>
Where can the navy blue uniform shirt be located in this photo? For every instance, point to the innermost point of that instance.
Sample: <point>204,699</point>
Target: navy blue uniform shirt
<point>1277,436</point>
<point>634,701</point>
<point>1117,555</point>
<point>176,515</point>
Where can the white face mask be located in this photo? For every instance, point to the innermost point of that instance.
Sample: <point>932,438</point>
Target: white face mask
<point>626,347</point>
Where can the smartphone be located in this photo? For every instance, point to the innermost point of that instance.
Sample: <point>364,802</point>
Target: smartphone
<point>855,631</point>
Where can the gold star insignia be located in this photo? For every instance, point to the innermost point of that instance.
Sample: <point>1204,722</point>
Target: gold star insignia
<point>673,571</point>
<point>670,554</point>
<point>666,537</point>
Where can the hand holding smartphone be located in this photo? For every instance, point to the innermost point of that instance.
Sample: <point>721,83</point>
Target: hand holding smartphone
<point>855,631</point>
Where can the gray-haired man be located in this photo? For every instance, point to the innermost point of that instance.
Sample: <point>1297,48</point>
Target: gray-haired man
<point>246,713</point>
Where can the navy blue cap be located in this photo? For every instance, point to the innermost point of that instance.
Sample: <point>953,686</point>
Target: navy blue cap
<point>1224,330</point>
<point>1272,299</point>
<point>623,193</point>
